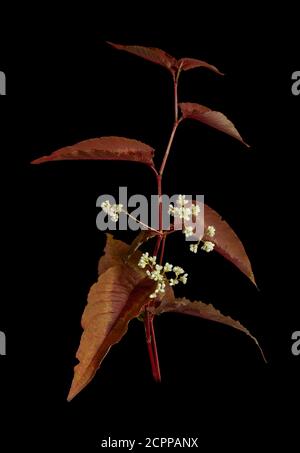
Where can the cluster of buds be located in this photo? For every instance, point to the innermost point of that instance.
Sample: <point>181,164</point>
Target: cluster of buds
<point>113,210</point>
<point>207,246</point>
<point>181,211</point>
<point>184,212</point>
<point>157,272</point>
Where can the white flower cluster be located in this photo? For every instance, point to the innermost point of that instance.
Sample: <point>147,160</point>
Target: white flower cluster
<point>210,231</point>
<point>183,277</point>
<point>188,231</point>
<point>183,212</point>
<point>113,210</point>
<point>146,260</point>
<point>207,246</point>
<point>158,273</point>
<point>194,248</point>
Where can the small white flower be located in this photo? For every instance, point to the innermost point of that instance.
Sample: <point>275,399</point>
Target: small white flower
<point>178,270</point>
<point>157,272</point>
<point>168,267</point>
<point>188,231</point>
<point>118,208</point>
<point>144,260</point>
<point>155,275</point>
<point>187,214</point>
<point>181,212</point>
<point>184,213</point>
<point>161,287</point>
<point>208,246</point>
<point>211,231</point>
<point>106,206</point>
<point>112,210</point>
<point>152,260</point>
<point>183,278</point>
<point>195,209</point>
<point>194,248</point>
<point>181,201</point>
<point>114,217</point>
<point>158,276</point>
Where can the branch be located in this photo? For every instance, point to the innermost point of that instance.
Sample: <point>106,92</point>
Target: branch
<point>141,223</point>
<point>175,125</point>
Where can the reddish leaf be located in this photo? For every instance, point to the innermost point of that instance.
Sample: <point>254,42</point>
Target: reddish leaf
<point>204,311</point>
<point>115,253</point>
<point>117,297</point>
<point>104,148</point>
<point>152,54</point>
<point>118,252</point>
<point>190,63</point>
<point>210,117</point>
<point>160,57</point>
<point>226,241</point>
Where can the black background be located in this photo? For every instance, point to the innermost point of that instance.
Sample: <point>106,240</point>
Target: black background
<point>64,84</point>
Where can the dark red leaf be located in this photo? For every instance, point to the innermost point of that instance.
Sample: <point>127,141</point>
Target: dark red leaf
<point>160,57</point>
<point>190,63</point>
<point>204,311</point>
<point>118,252</point>
<point>226,241</point>
<point>115,253</point>
<point>152,54</point>
<point>117,298</point>
<point>103,148</point>
<point>210,117</point>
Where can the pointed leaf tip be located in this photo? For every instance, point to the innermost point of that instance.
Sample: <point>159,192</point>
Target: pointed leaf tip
<point>205,311</point>
<point>116,298</point>
<point>211,118</point>
<point>227,242</point>
<point>191,63</point>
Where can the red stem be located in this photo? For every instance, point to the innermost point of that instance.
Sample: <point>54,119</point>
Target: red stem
<point>162,249</point>
<point>162,167</point>
<point>159,191</point>
<point>149,338</point>
<point>160,242</point>
<point>176,96</point>
<point>155,353</point>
